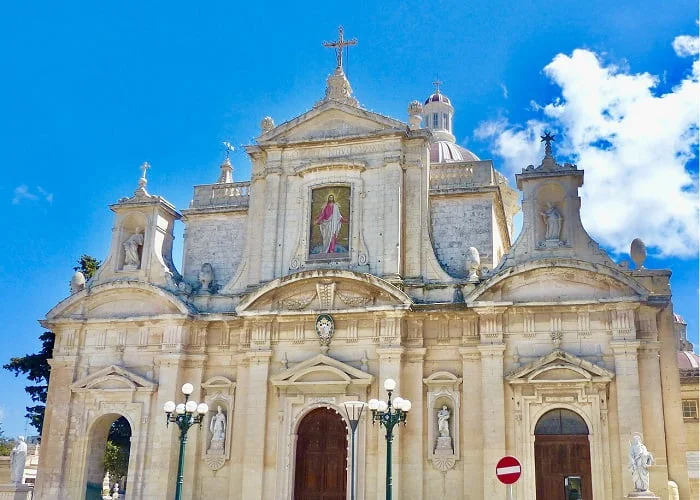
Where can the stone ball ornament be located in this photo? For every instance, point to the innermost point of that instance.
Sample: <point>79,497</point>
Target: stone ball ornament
<point>638,252</point>
<point>77,282</point>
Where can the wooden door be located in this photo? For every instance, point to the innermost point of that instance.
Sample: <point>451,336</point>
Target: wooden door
<point>559,459</point>
<point>321,457</point>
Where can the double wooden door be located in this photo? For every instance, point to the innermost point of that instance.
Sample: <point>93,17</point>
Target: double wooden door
<point>321,457</point>
<point>563,467</point>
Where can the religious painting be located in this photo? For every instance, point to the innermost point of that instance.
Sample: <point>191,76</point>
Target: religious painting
<point>329,231</point>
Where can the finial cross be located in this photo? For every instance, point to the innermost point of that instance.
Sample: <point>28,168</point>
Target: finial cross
<point>437,84</point>
<point>338,46</point>
<point>228,147</point>
<point>145,166</point>
<point>548,139</point>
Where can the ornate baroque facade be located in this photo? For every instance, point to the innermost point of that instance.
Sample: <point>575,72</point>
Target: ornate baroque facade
<point>364,248</point>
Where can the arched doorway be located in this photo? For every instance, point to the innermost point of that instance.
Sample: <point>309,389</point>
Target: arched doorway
<point>109,446</point>
<point>321,457</point>
<point>562,457</point>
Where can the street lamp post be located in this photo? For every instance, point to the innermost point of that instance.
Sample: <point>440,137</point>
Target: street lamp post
<point>185,416</point>
<point>389,414</point>
<point>353,410</point>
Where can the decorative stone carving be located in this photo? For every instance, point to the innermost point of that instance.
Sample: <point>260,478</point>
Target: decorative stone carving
<point>267,124</point>
<point>132,259</point>
<point>77,283</point>
<point>354,300</point>
<point>219,393</point>
<point>105,487</point>
<point>472,263</point>
<point>639,461</point>
<point>326,294</point>
<point>553,223</point>
<point>638,252</point>
<point>325,328</point>
<point>338,89</point>
<point>443,418</point>
<point>298,302</point>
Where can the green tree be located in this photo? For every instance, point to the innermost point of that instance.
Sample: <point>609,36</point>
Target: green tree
<point>116,457</point>
<point>5,444</point>
<point>36,366</point>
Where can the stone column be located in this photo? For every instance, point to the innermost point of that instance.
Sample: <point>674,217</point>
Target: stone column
<point>50,473</point>
<point>392,264</point>
<point>389,367</point>
<point>413,214</point>
<point>472,426</point>
<point>255,423</point>
<point>492,415</point>
<point>412,454</point>
<point>629,403</point>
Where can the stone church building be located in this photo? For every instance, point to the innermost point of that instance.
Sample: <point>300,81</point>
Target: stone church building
<point>365,248</point>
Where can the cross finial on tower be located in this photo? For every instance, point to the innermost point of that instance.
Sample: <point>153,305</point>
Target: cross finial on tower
<point>548,139</point>
<point>437,84</point>
<point>338,46</point>
<point>144,166</point>
<point>228,147</point>
<point>141,190</point>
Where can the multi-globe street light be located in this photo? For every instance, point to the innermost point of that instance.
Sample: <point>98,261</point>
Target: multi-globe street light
<point>353,410</point>
<point>185,415</point>
<point>389,413</point>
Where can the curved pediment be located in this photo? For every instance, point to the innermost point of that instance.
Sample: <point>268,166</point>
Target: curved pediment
<point>558,281</point>
<point>323,290</point>
<point>118,299</point>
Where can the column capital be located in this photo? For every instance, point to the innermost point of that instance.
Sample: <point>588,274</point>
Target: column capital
<point>625,347</point>
<point>390,354</point>
<point>258,357</point>
<point>491,350</point>
<point>469,353</point>
<point>415,355</point>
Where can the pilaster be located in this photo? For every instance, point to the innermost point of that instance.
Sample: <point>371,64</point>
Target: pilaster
<point>411,455</point>
<point>492,415</point>
<point>255,418</point>
<point>472,423</point>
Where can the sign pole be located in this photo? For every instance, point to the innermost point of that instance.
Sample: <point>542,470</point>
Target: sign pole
<point>510,492</point>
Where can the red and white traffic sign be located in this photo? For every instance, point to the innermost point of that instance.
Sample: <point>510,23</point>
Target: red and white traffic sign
<point>508,470</point>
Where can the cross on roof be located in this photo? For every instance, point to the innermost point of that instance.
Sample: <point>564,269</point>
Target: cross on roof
<point>548,139</point>
<point>145,166</point>
<point>338,46</point>
<point>437,84</point>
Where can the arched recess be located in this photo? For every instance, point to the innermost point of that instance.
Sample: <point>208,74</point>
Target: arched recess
<point>321,459</point>
<point>562,456</point>
<point>111,430</point>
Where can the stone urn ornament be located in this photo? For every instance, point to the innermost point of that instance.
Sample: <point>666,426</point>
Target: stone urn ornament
<point>77,282</point>
<point>472,264</point>
<point>638,252</point>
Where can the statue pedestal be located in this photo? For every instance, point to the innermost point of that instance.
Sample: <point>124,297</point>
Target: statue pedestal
<point>444,446</point>
<point>15,492</point>
<point>642,495</point>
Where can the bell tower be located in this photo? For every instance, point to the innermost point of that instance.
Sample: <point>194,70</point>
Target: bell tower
<point>142,239</point>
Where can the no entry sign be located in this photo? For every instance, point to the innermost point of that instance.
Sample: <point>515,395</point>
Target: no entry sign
<point>508,470</point>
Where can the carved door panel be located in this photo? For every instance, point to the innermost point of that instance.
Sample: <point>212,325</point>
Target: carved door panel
<point>563,467</point>
<point>321,457</point>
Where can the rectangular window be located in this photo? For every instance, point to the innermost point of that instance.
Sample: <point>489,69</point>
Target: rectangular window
<point>690,409</point>
<point>445,124</point>
<point>435,120</point>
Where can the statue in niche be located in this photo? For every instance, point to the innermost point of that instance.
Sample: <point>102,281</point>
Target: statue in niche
<point>132,260</point>
<point>552,222</point>
<point>639,462</point>
<point>443,417</point>
<point>206,277</point>
<point>18,458</point>
<point>217,426</point>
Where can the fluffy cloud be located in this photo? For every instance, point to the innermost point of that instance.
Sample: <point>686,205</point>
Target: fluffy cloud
<point>634,144</point>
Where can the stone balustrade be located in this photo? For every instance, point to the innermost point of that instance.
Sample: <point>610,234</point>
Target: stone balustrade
<point>230,194</point>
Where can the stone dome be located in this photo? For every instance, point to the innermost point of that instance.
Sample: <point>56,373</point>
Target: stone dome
<point>677,318</point>
<point>688,361</point>
<point>449,152</point>
<point>437,97</point>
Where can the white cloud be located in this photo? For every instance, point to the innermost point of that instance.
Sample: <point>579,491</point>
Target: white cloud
<point>633,143</point>
<point>504,89</point>
<point>686,45</point>
<point>23,193</point>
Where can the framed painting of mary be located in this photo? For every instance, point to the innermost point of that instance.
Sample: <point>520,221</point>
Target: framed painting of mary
<point>329,228</point>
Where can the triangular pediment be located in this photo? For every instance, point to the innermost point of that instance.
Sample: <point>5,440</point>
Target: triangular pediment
<point>113,378</point>
<point>321,374</point>
<point>559,367</point>
<point>331,120</point>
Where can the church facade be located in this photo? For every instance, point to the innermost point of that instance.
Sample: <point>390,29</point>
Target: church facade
<point>365,248</point>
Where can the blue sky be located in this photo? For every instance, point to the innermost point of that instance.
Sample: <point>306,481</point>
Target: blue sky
<point>90,90</point>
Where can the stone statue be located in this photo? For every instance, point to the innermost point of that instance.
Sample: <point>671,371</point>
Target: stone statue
<point>18,458</point>
<point>115,491</point>
<point>206,277</point>
<point>267,124</point>
<point>472,263</point>
<point>443,417</point>
<point>639,462</point>
<point>131,250</point>
<point>105,486</point>
<point>217,426</point>
<point>552,221</point>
